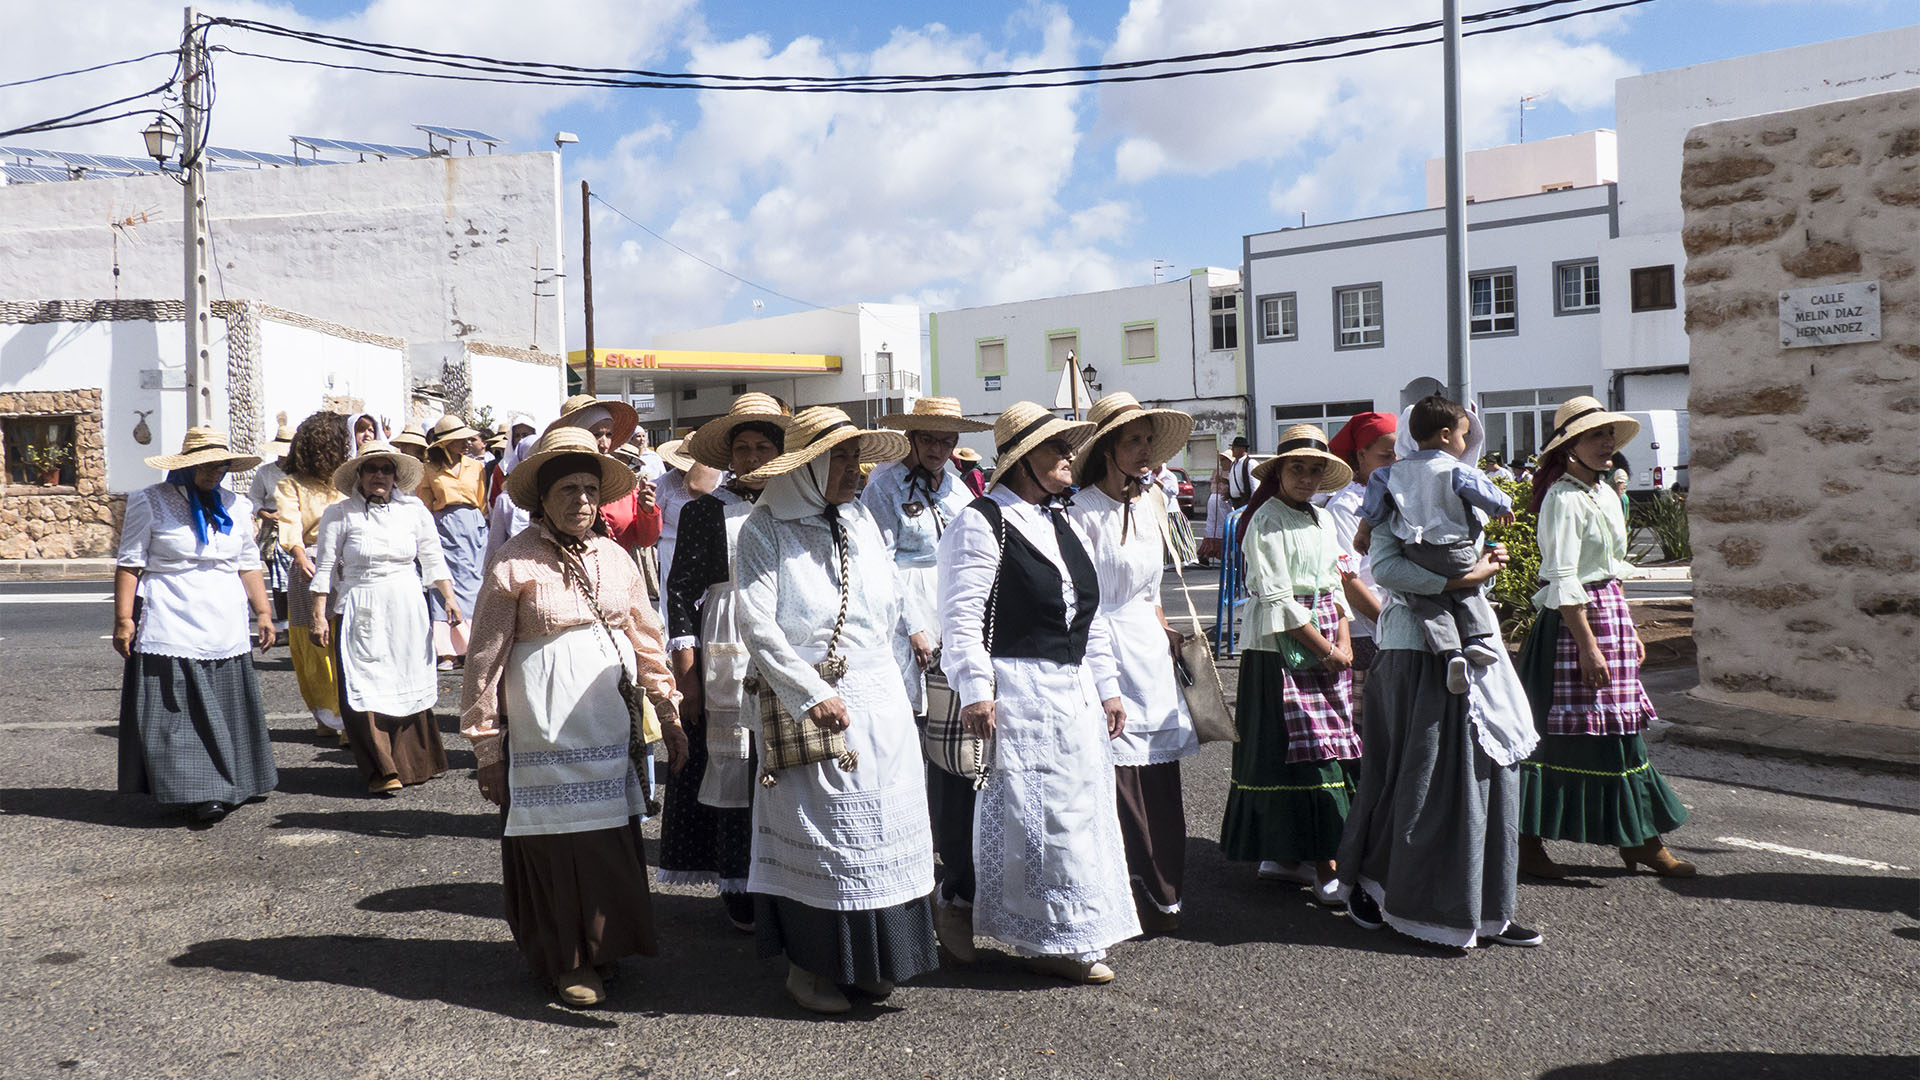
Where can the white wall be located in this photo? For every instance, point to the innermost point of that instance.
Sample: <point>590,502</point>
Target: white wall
<point>1583,159</point>
<point>300,366</point>
<point>429,250</point>
<point>507,385</point>
<point>1406,254</point>
<point>853,332</point>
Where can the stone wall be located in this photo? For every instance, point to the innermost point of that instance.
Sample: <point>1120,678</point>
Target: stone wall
<point>1806,461</point>
<point>77,522</point>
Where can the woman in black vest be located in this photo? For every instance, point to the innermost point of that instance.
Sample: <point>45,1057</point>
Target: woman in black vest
<point>1035,671</point>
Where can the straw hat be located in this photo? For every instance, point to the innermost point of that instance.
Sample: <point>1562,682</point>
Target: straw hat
<point>1024,426</point>
<point>523,483</point>
<point>448,428</point>
<point>1307,441</point>
<point>411,435</point>
<point>819,429</point>
<point>1115,411</point>
<point>712,444</point>
<point>968,454</point>
<point>932,414</point>
<point>281,443</point>
<point>407,471</point>
<point>1581,415</point>
<point>496,442</point>
<point>674,453</point>
<point>624,418</point>
<point>203,446</point>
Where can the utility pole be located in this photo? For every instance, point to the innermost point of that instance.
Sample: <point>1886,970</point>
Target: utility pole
<point>193,120</point>
<point>586,274</point>
<point>1459,366</point>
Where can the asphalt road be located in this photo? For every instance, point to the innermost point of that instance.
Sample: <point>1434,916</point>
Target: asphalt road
<point>321,933</point>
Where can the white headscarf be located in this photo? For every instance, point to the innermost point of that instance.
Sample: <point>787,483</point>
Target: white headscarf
<point>799,494</point>
<point>519,452</point>
<point>589,416</point>
<point>353,441</point>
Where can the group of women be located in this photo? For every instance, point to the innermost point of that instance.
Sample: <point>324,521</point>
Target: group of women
<point>807,635</point>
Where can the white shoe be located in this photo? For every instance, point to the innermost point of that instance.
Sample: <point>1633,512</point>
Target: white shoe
<point>813,993</point>
<point>1298,873</point>
<point>953,927</point>
<point>329,718</point>
<point>1457,675</point>
<point>1482,655</point>
<point>1090,972</point>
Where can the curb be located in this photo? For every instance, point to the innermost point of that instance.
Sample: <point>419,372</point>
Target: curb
<point>56,569</point>
<point>1660,573</point>
<point>1711,738</point>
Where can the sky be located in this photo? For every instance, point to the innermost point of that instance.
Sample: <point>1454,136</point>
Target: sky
<point>939,200</point>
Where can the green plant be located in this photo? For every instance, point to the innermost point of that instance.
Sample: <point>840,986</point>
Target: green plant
<point>1666,515</point>
<point>1512,591</point>
<point>50,456</point>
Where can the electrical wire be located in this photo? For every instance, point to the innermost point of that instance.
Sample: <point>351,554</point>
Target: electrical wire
<point>72,119</point>
<point>85,70</point>
<point>631,220</point>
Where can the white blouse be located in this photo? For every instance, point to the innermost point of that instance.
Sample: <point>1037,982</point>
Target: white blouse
<point>362,542</point>
<point>192,602</point>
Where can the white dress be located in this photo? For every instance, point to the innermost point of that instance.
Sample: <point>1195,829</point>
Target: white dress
<point>827,837</point>
<point>1343,507</point>
<point>911,521</point>
<point>367,563</point>
<point>192,603</point>
<point>1050,868</point>
<point>1158,727</point>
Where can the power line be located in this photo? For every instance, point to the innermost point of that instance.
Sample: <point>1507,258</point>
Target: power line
<point>72,119</point>
<point>85,70</point>
<point>631,220</point>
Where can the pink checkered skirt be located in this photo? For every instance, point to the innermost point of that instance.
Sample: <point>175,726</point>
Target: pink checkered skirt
<point>1619,708</point>
<point>1319,703</point>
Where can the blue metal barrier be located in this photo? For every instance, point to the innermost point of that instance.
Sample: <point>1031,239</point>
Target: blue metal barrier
<point>1233,588</point>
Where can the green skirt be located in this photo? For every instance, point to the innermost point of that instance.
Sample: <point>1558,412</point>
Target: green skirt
<point>1596,789</point>
<point>1288,812</point>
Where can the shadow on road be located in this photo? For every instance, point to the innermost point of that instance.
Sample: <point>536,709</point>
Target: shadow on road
<point>480,899</point>
<point>90,806</point>
<point>1738,1065</point>
<point>489,976</point>
<point>394,821</point>
<point>1894,895</point>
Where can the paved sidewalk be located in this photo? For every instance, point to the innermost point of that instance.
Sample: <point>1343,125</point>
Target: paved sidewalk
<point>1694,722</point>
<point>56,569</point>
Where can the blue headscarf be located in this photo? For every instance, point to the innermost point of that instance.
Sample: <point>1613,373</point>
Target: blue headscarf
<point>205,504</point>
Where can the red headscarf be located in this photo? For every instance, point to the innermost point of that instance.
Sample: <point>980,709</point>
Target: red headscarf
<point>1361,430</point>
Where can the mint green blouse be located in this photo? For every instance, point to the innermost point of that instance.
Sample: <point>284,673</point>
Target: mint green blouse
<point>1583,539</point>
<point>1289,554</point>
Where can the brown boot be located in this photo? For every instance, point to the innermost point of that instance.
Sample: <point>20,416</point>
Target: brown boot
<point>1654,856</point>
<point>1535,862</point>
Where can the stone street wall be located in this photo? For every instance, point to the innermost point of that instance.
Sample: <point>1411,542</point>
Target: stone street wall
<point>66,522</point>
<point>1806,461</point>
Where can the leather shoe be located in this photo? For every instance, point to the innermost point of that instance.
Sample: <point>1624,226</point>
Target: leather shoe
<point>1535,862</point>
<point>209,812</point>
<point>813,993</point>
<point>1363,911</point>
<point>1654,856</point>
<point>1086,972</point>
<point>1517,936</point>
<point>580,988</point>
<point>953,927</point>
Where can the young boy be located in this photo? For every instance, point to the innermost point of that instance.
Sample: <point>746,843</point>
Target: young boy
<point>1436,503</point>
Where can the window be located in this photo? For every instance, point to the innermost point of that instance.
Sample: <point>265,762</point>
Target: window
<point>40,450</point>
<point>1226,321</point>
<point>1494,308</point>
<point>1279,317</point>
<point>990,356</point>
<point>1652,288</point>
<point>1576,287</point>
<point>1358,315</point>
<point>1564,185</point>
<point>1328,416</point>
<point>1518,421</point>
<point>689,393</point>
<point>1060,345</point>
<point>1141,342</point>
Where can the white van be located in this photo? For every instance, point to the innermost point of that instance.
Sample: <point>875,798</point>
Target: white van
<point>1656,458</point>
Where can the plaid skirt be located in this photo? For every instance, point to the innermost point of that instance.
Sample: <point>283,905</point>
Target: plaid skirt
<point>1619,708</point>
<point>275,563</point>
<point>1314,705</point>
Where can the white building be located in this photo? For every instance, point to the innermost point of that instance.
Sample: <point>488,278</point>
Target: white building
<point>1173,344</point>
<point>1585,159</point>
<point>1351,317</point>
<point>863,358</point>
<point>1643,271</point>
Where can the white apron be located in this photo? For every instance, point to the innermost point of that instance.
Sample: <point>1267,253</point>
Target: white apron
<point>567,732</point>
<point>386,635</point>
<point>851,841</point>
<point>728,781</point>
<point>1158,729</point>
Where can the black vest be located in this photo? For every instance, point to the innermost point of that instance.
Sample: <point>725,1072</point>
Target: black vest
<point>1029,614</point>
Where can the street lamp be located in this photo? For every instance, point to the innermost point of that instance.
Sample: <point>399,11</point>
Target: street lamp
<point>161,137</point>
<point>1091,377</point>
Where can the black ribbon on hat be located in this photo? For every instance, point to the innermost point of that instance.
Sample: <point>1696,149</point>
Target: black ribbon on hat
<point>1018,436</point>
<point>1571,420</point>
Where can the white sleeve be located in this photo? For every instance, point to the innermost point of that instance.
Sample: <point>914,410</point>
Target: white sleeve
<point>136,530</point>
<point>756,566</point>
<point>333,528</point>
<point>241,511</point>
<point>426,540</point>
<point>969,561</point>
<point>1100,658</point>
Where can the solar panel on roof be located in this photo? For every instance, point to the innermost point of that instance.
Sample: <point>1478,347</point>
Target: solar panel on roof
<point>32,174</point>
<point>460,133</point>
<point>353,147</point>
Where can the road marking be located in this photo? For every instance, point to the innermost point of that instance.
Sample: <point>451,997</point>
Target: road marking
<point>54,598</point>
<point>1803,853</point>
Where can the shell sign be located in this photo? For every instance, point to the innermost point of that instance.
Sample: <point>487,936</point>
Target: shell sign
<point>706,360</point>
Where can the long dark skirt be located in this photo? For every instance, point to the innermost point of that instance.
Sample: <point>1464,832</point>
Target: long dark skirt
<point>575,899</point>
<point>1277,809</point>
<point>388,747</point>
<point>1596,789</point>
<point>700,843</point>
<point>1153,828</point>
<point>890,944</point>
<point>194,731</point>
<point>950,802</point>
<point>1432,832</point>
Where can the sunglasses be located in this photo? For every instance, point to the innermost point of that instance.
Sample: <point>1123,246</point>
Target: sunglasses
<point>379,468</point>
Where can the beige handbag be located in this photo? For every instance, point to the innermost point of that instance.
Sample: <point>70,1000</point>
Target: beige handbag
<point>1199,679</point>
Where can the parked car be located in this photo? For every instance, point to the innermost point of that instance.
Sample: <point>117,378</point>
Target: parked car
<point>1186,491</point>
<point>1656,458</point>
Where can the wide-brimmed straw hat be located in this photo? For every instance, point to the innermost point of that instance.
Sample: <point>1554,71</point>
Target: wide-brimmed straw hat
<point>281,442</point>
<point>712,444</point>
<point>203,446</point>
<point>496,442</point>
<point>1307,441</point>
<point>1024,426</point>
<point>411,435</point>
<point>968,454</point>
<point>406,469</point>
<point>818,429</point>
<point>448,428</point>
<point>624,418</point>
<point>932,414</point>
<point>523,483</point>
<point>1115,411</point>
<point>1581,415</point>
<point>674,453</point>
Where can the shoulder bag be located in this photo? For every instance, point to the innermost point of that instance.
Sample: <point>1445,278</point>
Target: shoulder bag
<point>643,727</point>
<point>786,740</point>
<point>1199,679</point>
<point>943,740</point>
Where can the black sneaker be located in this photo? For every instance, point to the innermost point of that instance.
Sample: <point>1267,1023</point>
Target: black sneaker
<point>1517,936</point>
<point>1363,911</point>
